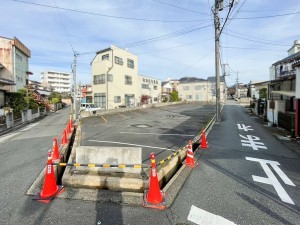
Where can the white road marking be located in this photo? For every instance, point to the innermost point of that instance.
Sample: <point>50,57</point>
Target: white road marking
<point>2,139</point>
<point>200,216</point>
<point>271,178</point>
<point>252,141</point>
<point>189,135</point>
<point>244,127</point>
<point>122,143</point>
<point>29,126</point>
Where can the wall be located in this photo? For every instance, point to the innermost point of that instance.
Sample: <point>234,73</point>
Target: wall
<point>279,106</point>
<point>298,82</point>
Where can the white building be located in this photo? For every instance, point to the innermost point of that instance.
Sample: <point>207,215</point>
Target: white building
<point>201,90</point>
<point>116,82</point>
<point>14,64</point>
<point>59,81</point>
<point>150,90</point>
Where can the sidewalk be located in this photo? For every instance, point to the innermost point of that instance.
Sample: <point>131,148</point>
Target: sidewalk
<point>282,135</point>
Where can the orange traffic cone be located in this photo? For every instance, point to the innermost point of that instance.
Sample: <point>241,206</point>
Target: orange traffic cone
<point>71,124</point>
<point>55,150</point>
<point>203,140</point>
<point>64,139</point>
<point>50,189</point>
<point>154,197</point>
<point>68,129</point>
<point>189,161</point>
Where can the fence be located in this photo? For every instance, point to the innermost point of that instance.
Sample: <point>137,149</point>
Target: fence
<point>9,121</point>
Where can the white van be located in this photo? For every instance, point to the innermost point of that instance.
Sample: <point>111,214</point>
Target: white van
<point>90,107</point>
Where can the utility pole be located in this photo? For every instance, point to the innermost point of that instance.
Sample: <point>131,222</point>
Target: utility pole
<point>217,56</point>
<point>237,85</point>
<point>75,87</point>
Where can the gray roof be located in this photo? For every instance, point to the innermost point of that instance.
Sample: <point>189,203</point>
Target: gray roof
<point>290,58</point>
<point>213,79</point>
<point>190,80</point>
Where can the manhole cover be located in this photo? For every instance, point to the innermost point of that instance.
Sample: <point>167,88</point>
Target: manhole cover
<point>141,125</point>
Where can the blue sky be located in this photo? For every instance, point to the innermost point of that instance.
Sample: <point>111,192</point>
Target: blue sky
<point>171,38</point>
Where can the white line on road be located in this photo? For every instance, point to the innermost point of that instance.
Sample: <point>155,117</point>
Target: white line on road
<point>200,216</point>
<point>2,139</point>
<point>188,135</point>
<point>30,126</point>
<point>122,143</point>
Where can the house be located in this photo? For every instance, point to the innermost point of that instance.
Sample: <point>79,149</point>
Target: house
<point>14,64</point>
<point>296,65</point>
<point>198,89</point>
<point>167,87</point>
<point>86,93</point>
<point>59,81</point>
<point>283,106</point>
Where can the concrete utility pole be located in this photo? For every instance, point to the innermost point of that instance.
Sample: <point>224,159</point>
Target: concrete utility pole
<point>75,87</point>
<point>217,56</point>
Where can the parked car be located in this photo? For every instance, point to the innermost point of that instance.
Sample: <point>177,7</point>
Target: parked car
<point>90,107</point>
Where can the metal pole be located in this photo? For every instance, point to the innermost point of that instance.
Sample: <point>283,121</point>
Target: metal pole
<point>217,58</point>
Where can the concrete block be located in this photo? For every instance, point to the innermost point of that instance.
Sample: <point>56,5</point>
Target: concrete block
<point>109,155</point>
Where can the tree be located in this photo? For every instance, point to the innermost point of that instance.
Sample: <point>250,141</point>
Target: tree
<point>174,96</point>
<point>263,93</point>
<point>17,102</point>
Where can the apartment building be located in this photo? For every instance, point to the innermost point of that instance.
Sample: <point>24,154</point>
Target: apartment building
<point>201,90</point>
<point>59,81</point>
<point>14,64</point>
<point>115,78</point>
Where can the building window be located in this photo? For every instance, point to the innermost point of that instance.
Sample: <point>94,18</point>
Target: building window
<point>117,99</point>
<point>128,80</point>
<point>198,87</point>
<point>105,57</point>
<point>130,63</point>
<point>188,96</point>
<point>145,86</point>
<point>155,87</point>
<point>19,57</point>
<point>118,60</point>
<point>100,100</point>
<point>185,88</point>
<point>110,77</point>
<point>99,79</point>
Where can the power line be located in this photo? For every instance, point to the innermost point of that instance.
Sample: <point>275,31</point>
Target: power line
<point>64,27</point>
<point>230,7</point>
<point>178,7</point>
<point>177,46</point>
<point>108,16</point>
<point>263,17</point>
<point>255,37</point>
<point>263,42</point>
<point>269,49</point>
<point>165,36</point>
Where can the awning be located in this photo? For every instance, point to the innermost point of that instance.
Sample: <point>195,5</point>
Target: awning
<point>286,93</point>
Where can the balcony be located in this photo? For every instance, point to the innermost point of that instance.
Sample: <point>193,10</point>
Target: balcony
<point>287,73</point>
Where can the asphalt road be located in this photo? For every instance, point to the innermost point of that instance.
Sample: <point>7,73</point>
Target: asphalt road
<point>160,130</point>
<point>224,185</point>
<point>221,190</point>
